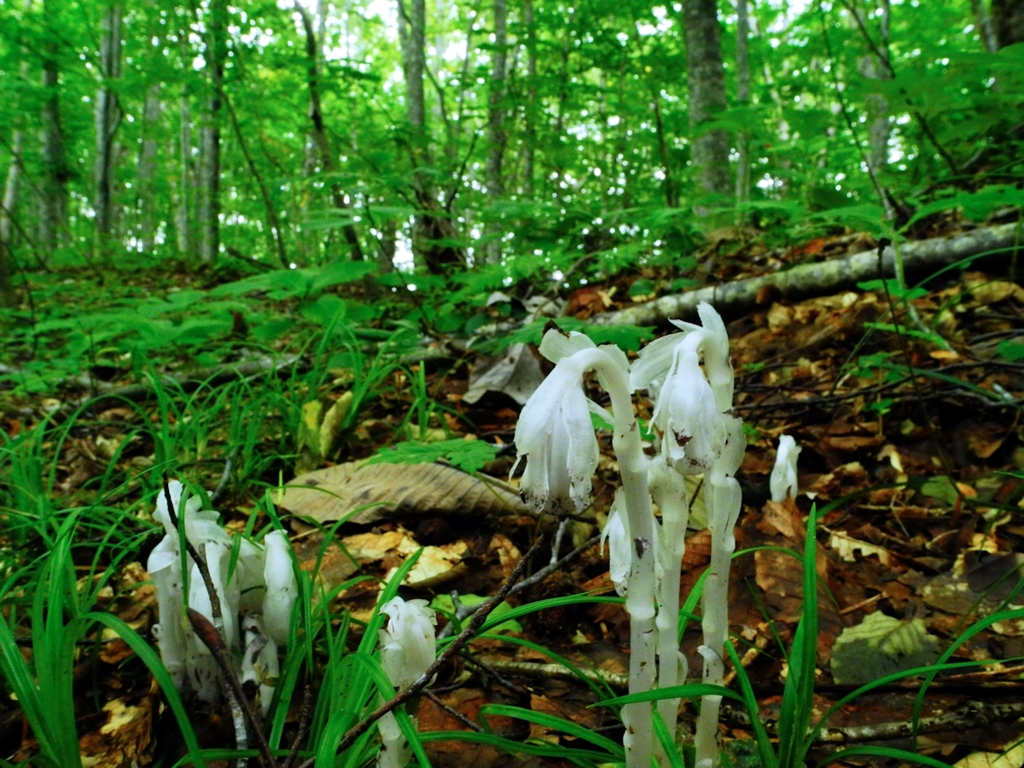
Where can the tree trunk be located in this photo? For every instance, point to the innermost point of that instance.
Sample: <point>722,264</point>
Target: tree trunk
<point>1008,20</point>
<point>183,207</point>
<point>432,225</point>
<point>876,67</point>
<point>209,135</point>
<point>706,87</point>
<point>107,120</point>
<point>984,24</point>
<point>496,137</point>
<point>53,189</point>
<point>321,140</point>
<point>530,141</point>
<point>743,97</point>
<point>145,201</point>
<point>10,202</point>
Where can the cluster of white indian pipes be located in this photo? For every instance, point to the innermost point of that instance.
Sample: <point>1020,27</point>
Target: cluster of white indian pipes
<point>689,377</point>
<point>256,599</point>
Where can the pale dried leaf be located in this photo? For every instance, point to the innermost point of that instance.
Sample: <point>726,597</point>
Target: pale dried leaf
<point>384,491</point>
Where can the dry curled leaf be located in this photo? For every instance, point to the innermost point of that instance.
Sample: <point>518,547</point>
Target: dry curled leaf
<point>363,493</point>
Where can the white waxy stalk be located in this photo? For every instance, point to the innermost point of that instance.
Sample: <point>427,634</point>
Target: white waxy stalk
<point>562,480</point>
<point>783,481</point>
<point>407,648</point>
<point>282,588</point>
<point>668,488</point>
<point>164,566</point>
<point>699,435</point>
<point>724,501</point>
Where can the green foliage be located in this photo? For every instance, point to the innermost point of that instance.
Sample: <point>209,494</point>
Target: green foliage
<point>467,455</point>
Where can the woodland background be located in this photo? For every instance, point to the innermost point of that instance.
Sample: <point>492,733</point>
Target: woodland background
<point>240,242</point>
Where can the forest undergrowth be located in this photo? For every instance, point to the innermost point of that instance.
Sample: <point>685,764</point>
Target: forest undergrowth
<point>905,401</point>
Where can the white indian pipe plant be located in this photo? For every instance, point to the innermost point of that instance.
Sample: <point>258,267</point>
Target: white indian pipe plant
<point>690,379</point>
<point>407,648</point>
<point>260,592</point>
<point>783,480</point>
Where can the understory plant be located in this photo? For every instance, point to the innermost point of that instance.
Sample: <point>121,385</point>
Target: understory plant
<point>689,377</point>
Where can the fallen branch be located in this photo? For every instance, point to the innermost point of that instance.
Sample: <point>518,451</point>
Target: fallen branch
<point>734,298</point>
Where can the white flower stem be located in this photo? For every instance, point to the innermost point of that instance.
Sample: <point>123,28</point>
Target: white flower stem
<point>669,491</point>
<point>724,500</point>
<point>637,718</point>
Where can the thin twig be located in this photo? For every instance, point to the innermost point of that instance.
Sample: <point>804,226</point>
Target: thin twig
<point>453,648</point>
<point>453,712</point>
<point>212,639</point>
<point>305,716</point>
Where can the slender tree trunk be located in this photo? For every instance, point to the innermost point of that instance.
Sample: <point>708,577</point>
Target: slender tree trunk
<point>108,119</point>
<point>275,237</point>
<point>743,97</point>
<point>145,202</point>
<point>183,221</point>
<point>1008,20</point>
<point>496,137</point>
<point>530,142</point>
<point>209,134</point>
<point>319,135</point>
<point>432,225</point>
<point>53,189</point>
<point>12,188</point>
<point>706,85</point>
<point>10,203</point>
<point>984,23</point>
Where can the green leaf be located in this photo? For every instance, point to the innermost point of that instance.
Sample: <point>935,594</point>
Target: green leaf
<point>338,272</point>
<point>325,310</point>
<point>467,455</point>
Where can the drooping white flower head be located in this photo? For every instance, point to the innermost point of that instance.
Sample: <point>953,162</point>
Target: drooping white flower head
<point>556,434</point>
<point>162,515</point>
<point>282,588</point>
<point>690,400</point>
<point>783,481</point>
<point>407,642</point>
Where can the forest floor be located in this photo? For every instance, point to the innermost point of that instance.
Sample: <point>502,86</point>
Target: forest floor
<point>911,436</point>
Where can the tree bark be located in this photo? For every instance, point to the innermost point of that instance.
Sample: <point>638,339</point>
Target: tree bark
<point>432,223</point>
<point>743,97</point>
<point>530,140</point>
<point>107,120</point>
<point>10,202</point>
<point>496,137</point>
<point>875,66</point>
<point>984,23</point>
<point>145,201</point>
<point>735,298</point>
<point>209,134</point>
<point>183,208</point>
<point>1008,20</point>
<point>321,139</point>
<point>706,85</point>
<point>53,189</point>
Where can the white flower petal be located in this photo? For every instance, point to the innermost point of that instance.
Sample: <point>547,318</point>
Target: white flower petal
<point>282,588</point>
<point>558,344</point>
<point>408,644</point>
